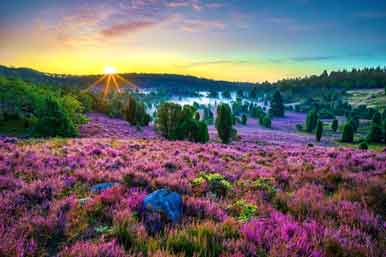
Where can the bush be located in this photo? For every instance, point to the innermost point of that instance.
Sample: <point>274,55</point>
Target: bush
<point>244,119</point>
<point>243,210</point>
<point>277,106</point>
<point>177,123</point>
<point>299,127</point>
<point>224,122</point>
<point>376,134</point>
<point>334,125</point>
<point>311,121</point>
<point>319,131</point>
<point>363,146</point>
<point>348,133</point>
<point>217,184</point>
<point>266,121</point>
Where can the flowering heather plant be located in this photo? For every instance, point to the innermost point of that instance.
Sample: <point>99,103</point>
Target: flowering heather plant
<point>275,199</point>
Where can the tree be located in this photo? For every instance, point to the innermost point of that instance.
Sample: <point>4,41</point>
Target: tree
<point>335,125</point>
<point>130,110</point>
<point>348,133</point>
<point>224,122</point>
<point>266,121</point>
<point>168,119</point>
<point>253,93</point>
<point>197,116</point>
<point>226,94</point>
<point>177,123</point>
<point>375,134</point>
<point>319,130</point>
<point>277,106</point>
<point>311,121</point>
<point>244,119</point>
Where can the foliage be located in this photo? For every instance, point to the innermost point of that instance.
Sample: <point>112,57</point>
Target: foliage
<point>242,210</point>
<point>277,105</point>
<point>363,146</point>
<point>376,134</point>
<point>311,121</point>
<point>244,119</point>
<point>43,111</point>
<point>224,123</point>
<point>178,123</point>
<point>319,131</point>
<point>348,133</point>
<point>217,184</point>
<point>334,125</point>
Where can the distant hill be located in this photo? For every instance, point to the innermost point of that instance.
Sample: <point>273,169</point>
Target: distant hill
<point>297,88</point>
<point>146,81</point>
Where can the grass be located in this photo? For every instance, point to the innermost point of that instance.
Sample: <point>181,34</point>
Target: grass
<point>374,98</point>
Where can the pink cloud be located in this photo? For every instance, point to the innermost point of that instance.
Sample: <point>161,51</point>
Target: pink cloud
<point>124,28</point>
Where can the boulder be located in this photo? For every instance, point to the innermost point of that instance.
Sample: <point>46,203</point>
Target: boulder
<point>160,207</point>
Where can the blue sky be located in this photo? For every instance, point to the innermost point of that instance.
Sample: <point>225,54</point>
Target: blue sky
<point>232,40</point>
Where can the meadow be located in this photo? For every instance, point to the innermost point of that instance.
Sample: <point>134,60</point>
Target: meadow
<point>260,199</point>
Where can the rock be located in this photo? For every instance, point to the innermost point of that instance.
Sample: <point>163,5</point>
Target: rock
<point>160,207</point>
<point>101,187</point>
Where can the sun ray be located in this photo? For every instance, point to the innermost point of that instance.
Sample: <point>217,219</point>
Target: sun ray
<point>131,84</point>
<point>95,83</point>
<point>115,83</point>
<point>107,87</point>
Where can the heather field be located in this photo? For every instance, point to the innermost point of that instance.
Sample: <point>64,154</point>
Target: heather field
<point>275,199</point>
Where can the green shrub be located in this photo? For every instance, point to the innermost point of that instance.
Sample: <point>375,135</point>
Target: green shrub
<point>319,131</point>
<point>177,123</point>
<point>217,183</point>
<point>334,125</point>
<point>363,146</point>
<point>376,134</point>
<point>243,210</point>
<point>266,121</point>
<point>277,106</point>
<point>224,123</point>
<point>348,133</point>
<point>311,121</point>
<point>266,185</point>
<point>244,119</point>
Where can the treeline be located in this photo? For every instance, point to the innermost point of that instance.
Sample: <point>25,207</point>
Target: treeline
<point>339,81</point>
<point>182,85</point>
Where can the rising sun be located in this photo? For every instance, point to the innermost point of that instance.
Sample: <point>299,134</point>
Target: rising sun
<point>109,70</point>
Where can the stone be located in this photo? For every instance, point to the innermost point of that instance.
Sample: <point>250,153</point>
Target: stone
<point>160,207</point>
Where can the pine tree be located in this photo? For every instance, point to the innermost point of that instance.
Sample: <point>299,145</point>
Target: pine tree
<point>224,122</point>
<point>375,134</point>
<point>335,125</point>
<point>130,110</point>
<point>277,106</point>
<point>348,133</point>
<point>244,119</point>
<point>319,130</point>
<point>311,121</point>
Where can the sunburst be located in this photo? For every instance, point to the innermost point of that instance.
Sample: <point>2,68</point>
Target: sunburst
<point>112,82</point>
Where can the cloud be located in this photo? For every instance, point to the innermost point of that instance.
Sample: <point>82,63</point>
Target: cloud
<point>206,63</point>
<point>124,28</point>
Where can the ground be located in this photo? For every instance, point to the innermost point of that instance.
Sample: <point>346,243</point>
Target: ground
<point>277,197</point>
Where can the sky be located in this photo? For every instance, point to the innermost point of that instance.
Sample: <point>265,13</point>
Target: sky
<point>236,40</point>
